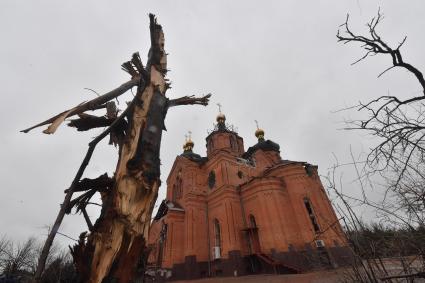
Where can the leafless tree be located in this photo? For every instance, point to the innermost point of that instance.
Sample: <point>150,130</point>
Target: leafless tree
<point>397,122</point>
<point>17,258</point>
<point>3,244</point>
<point>60,269</point>
<point>398,125</point>
<point>18,262</point>
<point>389,251</point>
<point>4,248</point>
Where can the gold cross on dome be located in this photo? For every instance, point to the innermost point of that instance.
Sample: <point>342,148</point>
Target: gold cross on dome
<point>190,134</point>
<point>256,122</point>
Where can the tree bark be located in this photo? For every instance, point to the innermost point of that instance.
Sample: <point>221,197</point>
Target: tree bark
<point>64,206</point>
<point>113,248</point>
<point>116,243</point>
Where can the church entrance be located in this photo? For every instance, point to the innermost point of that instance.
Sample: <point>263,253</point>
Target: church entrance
<point>254,240</point>
<point>255,256</point>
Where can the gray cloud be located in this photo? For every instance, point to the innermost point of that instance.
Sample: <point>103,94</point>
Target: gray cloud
<point>274,61</point>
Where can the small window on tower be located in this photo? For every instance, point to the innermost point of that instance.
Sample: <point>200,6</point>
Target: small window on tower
<point>178,188</point>
<point>174,192</point>
<point>211,179</point>
<point>210,144</point>
<point>233,143</point>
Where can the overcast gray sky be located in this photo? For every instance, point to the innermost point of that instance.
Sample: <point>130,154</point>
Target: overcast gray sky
<point>274,61</point>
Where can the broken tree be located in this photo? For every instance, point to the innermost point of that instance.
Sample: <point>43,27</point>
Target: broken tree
<point>116,241</point>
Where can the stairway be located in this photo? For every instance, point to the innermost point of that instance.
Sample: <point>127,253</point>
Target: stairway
<point>276,264</point>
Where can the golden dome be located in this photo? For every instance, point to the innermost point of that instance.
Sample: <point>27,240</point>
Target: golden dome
<point>259,133</point>
<point>220,118</point>
<point>188,145</point>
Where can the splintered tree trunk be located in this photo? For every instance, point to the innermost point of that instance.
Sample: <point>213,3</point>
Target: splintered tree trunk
<point>116,243</point>
<point>113,248</point>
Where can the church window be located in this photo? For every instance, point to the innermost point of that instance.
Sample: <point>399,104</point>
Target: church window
<point>174,192</point>
<point>217,233</point>
<point>178,188</point>
<point>252,222</point>
<point>162,243</point>
<point>233,143</point>
<point>211,179</point>
<point>210,144</point>
<point>311,215</point>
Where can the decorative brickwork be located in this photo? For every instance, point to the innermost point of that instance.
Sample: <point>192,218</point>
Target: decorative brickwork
<point>237,212</point>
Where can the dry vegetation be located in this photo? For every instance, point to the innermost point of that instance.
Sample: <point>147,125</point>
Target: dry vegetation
<point>18,262</point>
<point>397,161</point>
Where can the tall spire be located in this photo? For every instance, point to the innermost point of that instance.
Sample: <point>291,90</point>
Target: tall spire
<point>259,133</point>
<point>189,144</point>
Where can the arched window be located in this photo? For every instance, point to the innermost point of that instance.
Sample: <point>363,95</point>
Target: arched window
<point>233,143</point>
<point>211,179</point>
<point>252,223</point>
<point>178,189</point>
<point>217,233</point>
<point>210,144</point>
<point>311,215</point>
<point>174,192</point>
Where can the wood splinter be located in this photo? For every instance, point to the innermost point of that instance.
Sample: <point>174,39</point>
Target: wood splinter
<point>117,240</point>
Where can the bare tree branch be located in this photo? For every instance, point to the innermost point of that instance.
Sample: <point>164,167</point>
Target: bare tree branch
<point>375,45</point>
<point>398,124</point>
<point>93,104</point>
<point>188,100</point>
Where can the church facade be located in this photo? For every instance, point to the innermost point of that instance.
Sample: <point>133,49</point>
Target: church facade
<point>237,212</point>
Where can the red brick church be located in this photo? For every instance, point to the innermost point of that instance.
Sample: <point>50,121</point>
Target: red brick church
<point>237,212</point>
